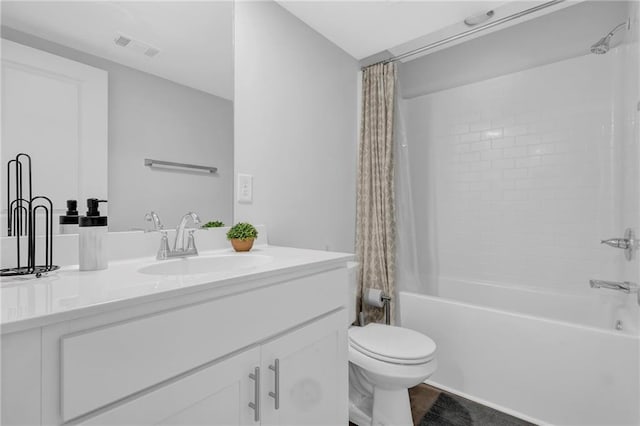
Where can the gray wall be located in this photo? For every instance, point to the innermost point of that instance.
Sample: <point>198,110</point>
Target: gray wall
<point>564,34</point>
<point>150,117</point>
<point>295,129</point>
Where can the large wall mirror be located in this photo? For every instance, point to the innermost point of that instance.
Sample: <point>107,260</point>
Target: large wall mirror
<point>93,89</point>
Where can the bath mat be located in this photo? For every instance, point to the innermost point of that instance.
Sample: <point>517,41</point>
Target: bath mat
<point>452,410</point>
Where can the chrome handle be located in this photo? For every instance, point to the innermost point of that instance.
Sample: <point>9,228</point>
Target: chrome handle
<point>255,376</point>
<point>191,242</point>
<point>621,243</point>
<point>163,251</point>
<point>628,243</point>
<point>623,286</point>
<point>276,395</point>
<point>155,220</point>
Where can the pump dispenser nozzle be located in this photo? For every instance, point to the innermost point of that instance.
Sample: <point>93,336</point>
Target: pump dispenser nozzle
<point>69,220</point>
<point>93,218</point>
<point>92,206</point>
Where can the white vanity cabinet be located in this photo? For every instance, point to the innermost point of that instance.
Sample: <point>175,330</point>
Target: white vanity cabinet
<point>307,386</point>
<point>188,360</point>
<point>310,374</point>
<point>215,395</point>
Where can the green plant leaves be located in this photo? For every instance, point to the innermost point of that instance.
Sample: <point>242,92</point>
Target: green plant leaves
<point>213,224</point>
<point>242,231</point>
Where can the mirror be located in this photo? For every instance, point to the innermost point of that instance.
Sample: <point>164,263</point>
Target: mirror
<point>107,85</point>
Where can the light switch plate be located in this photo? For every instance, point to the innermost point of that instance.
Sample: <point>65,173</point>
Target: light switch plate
<point>245,188</point>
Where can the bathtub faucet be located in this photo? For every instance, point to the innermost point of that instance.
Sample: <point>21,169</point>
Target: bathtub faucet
<point>623,286</point>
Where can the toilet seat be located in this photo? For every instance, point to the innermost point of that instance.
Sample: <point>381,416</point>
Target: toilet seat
<point>395,345</point>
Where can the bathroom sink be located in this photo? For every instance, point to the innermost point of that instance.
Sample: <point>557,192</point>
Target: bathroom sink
<point>206,265</point>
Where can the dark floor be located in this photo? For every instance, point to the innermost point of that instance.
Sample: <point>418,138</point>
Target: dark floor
<point>431,406</point>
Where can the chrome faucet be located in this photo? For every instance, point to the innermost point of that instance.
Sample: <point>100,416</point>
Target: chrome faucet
<point>623,286</point>
<point>179,249</point>
<point>178,244</point>
<point>155,220</point>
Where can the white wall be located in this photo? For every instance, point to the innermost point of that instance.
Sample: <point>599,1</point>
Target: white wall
<point>150,117</point>
<point>527,175</point>
<point>556,36</point>
<point>295,129</point>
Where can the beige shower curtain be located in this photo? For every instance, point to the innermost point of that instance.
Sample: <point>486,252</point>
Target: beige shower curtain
<point>375,228</point>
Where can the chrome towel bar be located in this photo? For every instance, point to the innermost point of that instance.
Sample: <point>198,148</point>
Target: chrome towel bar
<point>170,164</point>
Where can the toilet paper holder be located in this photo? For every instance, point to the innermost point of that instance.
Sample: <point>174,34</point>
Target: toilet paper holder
<point>379,299</point>
<point>387,309</point>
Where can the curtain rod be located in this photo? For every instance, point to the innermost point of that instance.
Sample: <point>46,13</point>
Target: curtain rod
<point>468,32</point>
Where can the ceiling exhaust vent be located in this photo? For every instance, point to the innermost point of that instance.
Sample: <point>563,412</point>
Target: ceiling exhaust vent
<point>136,45</point>
<point>122,40</point>
<point>151,52</point>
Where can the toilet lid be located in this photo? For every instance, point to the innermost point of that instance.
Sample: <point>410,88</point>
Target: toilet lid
<point>392,344</point>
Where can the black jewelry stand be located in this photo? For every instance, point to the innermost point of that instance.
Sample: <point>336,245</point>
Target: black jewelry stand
<point>21,220</point>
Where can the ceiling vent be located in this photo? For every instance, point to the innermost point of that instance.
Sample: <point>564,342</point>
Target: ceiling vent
<point>122,40</point>
<point>136,45</point>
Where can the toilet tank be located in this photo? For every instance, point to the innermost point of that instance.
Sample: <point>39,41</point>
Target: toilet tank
<point>352,269</point>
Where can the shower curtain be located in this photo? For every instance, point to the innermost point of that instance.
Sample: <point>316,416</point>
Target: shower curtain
<point>375,228</point>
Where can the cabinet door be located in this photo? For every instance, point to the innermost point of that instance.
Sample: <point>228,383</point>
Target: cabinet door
<point>216,395</point>
<point>312,374</point>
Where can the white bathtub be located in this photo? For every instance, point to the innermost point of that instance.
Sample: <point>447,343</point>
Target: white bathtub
<point>536,363</point>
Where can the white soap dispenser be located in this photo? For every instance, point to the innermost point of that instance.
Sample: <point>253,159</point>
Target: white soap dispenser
<point>93,238</point>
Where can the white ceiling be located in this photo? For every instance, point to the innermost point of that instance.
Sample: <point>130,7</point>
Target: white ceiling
<point>364,28</point>
<point>195,38</point>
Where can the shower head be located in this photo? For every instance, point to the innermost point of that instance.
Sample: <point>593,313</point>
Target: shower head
<point>603,45</point>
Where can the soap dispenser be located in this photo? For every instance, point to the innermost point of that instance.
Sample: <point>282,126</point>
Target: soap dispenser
<point>93,238</point>
<point>69,220</point>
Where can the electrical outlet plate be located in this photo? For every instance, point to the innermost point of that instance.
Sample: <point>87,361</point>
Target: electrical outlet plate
<point>245,188</point>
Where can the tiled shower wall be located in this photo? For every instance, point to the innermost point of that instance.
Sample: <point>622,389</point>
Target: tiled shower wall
<point>526,175</point>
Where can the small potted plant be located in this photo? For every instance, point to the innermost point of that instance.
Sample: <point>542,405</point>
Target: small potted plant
<point>213,224</point>
<point>242,235</point>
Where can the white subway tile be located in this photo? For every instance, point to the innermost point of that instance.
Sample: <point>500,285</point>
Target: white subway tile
<point>528,140</point>
<point>515,130</point>
<point>462,147</point>
<point>480,165</point>
<point>469,156</point>
<point>478,126</point>
<point>539,179</point>
<point>481,146</point>
<point>507,163</point>
<point>514,195</point>
<point>470,137</point>
<point>459,129</point>
<point>492,175</point>
<point>502,143</point>
<point>540,149</point>
<point>493,154</point>
<point>492,134</point>
<point>518,151</point>
<point>516,173</point>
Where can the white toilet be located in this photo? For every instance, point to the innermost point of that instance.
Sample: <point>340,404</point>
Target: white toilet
<point>384,361</point>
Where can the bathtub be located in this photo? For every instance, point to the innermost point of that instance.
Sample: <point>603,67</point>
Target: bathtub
<point>544,363</point>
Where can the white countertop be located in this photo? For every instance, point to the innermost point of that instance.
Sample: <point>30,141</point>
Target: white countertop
<point>69,293</point>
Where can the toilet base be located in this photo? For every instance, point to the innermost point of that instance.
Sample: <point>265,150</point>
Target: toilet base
<point>391,407</point>
<point>385,408</point>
